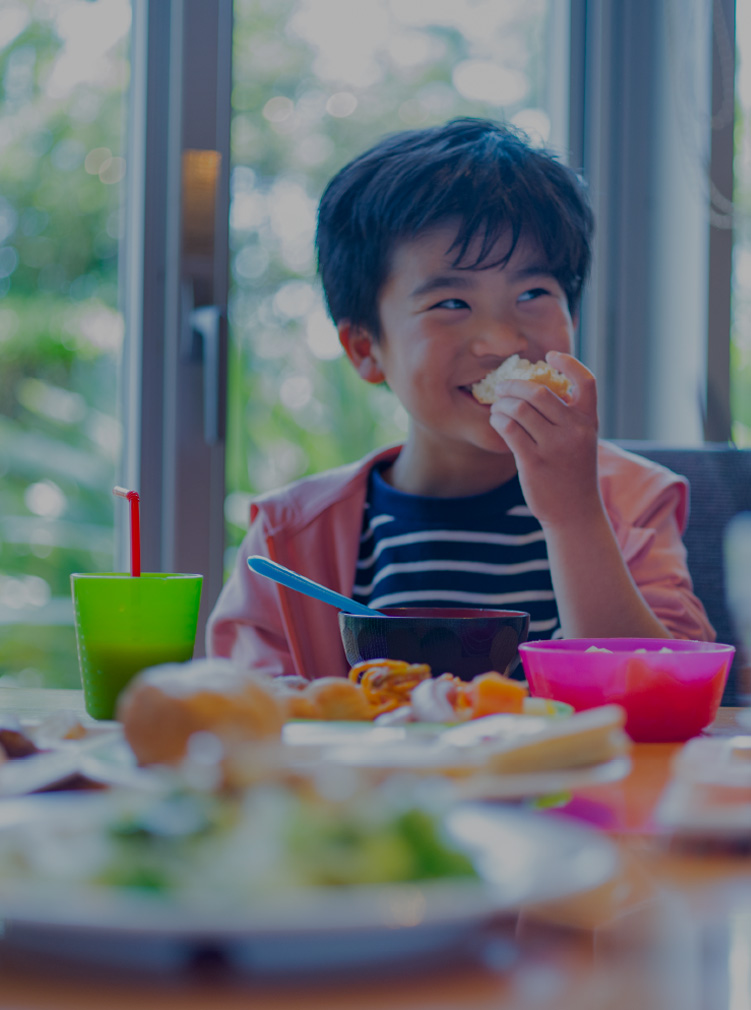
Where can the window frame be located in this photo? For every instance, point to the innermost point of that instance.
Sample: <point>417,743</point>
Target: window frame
<point>655,320</point>
<point>180,101</point>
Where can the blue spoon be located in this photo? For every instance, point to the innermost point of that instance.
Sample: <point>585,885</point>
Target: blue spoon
<point>286,577</point>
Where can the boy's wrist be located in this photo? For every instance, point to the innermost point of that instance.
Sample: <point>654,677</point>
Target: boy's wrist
<point>586,521</point>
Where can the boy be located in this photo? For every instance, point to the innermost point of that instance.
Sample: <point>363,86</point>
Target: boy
<point>443,252</point>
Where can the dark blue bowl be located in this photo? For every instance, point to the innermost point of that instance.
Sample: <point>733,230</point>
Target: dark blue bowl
<point>464,642</point>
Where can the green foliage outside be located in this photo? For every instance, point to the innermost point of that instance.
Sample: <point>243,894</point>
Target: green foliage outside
<point>60,329</point>
<point>303,106</point>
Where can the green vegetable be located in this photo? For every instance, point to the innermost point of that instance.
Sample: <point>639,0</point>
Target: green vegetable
<point>432,856</point>
<point>137,877</point>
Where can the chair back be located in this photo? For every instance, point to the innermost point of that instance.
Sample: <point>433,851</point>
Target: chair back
<point>720,481</point>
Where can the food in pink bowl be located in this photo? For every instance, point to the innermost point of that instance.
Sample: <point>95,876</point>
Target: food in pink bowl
<point>671,689</point>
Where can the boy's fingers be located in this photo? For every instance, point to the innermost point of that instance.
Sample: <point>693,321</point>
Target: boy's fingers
<point>537,422</point>
<point>514,434</point>
<point>532,404</point>
<point>583,381</point>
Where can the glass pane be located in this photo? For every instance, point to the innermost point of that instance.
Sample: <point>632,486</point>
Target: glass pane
<point>315,83</point>
<point>63,72</point>
<point>740,346</point>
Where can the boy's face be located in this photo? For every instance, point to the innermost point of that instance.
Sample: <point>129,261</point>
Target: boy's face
<point>443,329</point>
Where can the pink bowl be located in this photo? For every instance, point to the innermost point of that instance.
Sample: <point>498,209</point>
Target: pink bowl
<point>667,696</point>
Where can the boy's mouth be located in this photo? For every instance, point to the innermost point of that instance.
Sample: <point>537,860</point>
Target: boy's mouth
<point>467,391</point>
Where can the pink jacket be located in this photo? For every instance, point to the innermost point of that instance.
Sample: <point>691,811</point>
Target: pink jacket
<point>313,527</point>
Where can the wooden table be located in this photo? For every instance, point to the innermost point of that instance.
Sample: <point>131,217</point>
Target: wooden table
<point>673,932</point>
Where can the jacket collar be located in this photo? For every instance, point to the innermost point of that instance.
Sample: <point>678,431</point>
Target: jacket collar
<point>298,504</point>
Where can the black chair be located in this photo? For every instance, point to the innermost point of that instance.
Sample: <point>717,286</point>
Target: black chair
<point>720,480</point>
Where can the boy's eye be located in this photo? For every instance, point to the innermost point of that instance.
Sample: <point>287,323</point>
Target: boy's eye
<point>451,303</point>
<point>533,293</point>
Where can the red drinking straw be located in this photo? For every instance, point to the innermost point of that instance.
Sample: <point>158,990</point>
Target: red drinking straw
<point>135,528</point>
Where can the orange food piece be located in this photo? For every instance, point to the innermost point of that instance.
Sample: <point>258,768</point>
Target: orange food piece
<point>337,698</point>
<point>492,693</point>
<point>298,706</point>
<point>395,666</point>
<point>388,683</point>
<point>463,700</point>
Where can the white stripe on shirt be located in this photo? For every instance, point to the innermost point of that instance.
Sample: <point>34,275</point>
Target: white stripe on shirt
<point>539,626</point>
<point>374,523</point>
<point>452,536</point>
<point>477,567</point>
<point>484,599</point>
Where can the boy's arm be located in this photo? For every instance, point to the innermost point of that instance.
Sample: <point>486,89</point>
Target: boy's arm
<point>597,592</point>
<point>654,551</point>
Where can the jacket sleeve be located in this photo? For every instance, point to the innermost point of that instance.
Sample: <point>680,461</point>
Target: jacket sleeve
<point>656,557</point>
<point>246,623</point>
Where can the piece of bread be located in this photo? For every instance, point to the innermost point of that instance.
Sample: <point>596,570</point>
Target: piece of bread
<point>164,706</point>
<point>337,698</point>
<point>519,368</point>
<point>297,705</point>
<point>585,738</point>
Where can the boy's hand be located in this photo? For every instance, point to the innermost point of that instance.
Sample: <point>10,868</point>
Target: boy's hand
<point>554,443</point>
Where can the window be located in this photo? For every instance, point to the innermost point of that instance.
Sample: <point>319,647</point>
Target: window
<point>64,73</point>
<point>315,83</point>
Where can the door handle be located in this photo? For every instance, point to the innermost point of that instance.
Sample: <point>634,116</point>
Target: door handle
<point>207,323</point>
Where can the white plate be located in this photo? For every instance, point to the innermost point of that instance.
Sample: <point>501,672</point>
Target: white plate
<point>418,747</point>
<point>523,858</point>
<point>102,757</point>
<point>708,794</point>
<point>532,784</point>
<point>105,758</point>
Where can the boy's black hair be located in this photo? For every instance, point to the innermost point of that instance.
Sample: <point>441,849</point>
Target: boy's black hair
<point>484,174</point>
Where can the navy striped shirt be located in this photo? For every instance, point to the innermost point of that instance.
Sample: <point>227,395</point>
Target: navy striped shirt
<point>484,550</point>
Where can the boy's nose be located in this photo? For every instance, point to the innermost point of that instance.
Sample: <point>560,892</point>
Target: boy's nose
<point>498,339</point>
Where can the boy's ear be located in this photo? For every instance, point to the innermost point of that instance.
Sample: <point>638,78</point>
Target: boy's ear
<point>362,350</point>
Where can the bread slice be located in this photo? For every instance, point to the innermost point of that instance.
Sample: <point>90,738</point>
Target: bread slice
<point>585,738</point>
<point>519,368</point>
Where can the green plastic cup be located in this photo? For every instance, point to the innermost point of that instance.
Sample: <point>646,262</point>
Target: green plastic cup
<point>125,624</point>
